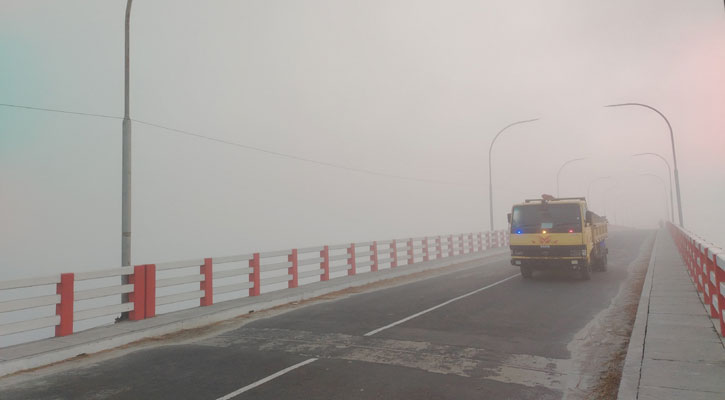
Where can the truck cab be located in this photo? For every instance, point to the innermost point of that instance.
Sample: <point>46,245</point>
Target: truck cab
<point>557,233</point>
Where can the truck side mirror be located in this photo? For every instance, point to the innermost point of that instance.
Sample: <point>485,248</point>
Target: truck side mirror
<point>509,217</point>
<point>588,217</point>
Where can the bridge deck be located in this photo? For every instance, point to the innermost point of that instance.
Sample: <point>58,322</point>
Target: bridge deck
<point>477,331</point>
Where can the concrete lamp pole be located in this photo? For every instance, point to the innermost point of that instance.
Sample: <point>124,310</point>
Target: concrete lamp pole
<point>562,167</point>
<point>589,187</point>
<point>674,155</point>
<point>126,162</point>
<point>664,188</point>
<point>490,174</point>
<point>669,175</point>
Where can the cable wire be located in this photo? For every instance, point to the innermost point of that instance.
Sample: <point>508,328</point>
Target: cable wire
<point>245,146</point>
<point>298,158</point>
<point>60,111</point>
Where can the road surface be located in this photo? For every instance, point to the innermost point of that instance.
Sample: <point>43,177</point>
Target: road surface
<point>476,333</point>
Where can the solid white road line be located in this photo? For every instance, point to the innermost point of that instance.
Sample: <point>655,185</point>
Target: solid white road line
<point>438,306</point>
<point>265,380</point>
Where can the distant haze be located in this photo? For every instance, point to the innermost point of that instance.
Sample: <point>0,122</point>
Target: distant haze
<point>409,88</point>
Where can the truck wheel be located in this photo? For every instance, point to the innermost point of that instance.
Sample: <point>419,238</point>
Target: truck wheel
<point>597,264</point>
<point>603,263</point>
<point>527,272</point>
<point>586,272</point>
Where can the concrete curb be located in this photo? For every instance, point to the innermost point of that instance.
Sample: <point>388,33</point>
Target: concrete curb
<point>29,355</point>
<point>632,370</point>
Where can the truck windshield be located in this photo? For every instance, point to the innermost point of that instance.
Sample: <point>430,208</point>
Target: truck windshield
<point>554,218</point>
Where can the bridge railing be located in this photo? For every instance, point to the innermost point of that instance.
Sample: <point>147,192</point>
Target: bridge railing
<point>163,287</point>
<point>706,266</point>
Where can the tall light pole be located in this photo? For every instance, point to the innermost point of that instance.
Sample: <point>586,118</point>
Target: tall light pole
<point>608,191</point>
<point>490,181</point>
<point>126,161</point>
<point>562,167</point>
<point>669,176</point>
<point>664,188</point>
<point>674,155</point>
<point>589,187</point>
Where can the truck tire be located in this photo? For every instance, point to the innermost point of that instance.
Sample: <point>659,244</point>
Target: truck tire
<point>586,271</point>
<point>603,263</point>
<point>597,265</point>
<point>527,272</point>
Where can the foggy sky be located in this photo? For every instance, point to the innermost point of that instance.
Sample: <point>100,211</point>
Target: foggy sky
<point>409,88</point>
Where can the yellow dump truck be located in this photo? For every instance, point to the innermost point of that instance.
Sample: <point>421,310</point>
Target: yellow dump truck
<point>557,233</point>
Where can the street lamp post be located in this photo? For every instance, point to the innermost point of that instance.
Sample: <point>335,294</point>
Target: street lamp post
<point>674,155</point>
<point>490,174</point>
<point>607,192</point>
<point>664,188</point>
<point>669,176</point>
<point>561,168</point>
<point>589,187</point>
<point>126,161</point>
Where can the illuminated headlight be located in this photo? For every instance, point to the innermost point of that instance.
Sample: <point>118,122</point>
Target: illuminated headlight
<point>575,262</point>
<point>518,262</point>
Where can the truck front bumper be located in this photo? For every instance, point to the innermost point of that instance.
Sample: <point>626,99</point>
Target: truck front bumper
<point>548,263</point>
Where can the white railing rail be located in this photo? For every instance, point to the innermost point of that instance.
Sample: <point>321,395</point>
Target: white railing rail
<point>79,296</point>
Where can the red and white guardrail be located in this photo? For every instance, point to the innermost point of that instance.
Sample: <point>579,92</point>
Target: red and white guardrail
<point>706,265</point>
<point>153,285</point>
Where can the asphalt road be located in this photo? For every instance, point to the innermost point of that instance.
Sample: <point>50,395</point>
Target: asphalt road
<point>506,339</point>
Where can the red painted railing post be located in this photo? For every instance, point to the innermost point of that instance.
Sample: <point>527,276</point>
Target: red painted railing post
<point>714,285</point>
<point>705,266</point>
<point>374,257</point>
<point>325,264</point>
<point>351,259</point>
<point>411,251</point>
<point>488,240</point>
<point>693,265</point>
<point>138,296</point>
<point>696,265</point>
<point>255,275</point>
<point>64,309</point>
<point>686,255</point>
<point>394,254</point>
<point>207,284</point>
<point>426,254</point>
<point>719,280</point>
<point>450,246</point>
<point>293,270</point>
<point>705,276</point>
<point>439,248</point>
<point>472,248</point>
<point>150,298</point>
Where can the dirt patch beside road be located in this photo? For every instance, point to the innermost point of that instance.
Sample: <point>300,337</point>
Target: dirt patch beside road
<point>598,351</point>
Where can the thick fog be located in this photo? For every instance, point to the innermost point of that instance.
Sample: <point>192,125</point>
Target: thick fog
<point>396,101</point>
